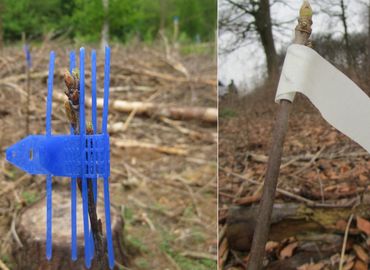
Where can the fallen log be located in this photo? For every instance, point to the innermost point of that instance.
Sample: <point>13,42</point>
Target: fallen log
<point>152,109</point>
<point>30,252</point>
<point>288,219</point>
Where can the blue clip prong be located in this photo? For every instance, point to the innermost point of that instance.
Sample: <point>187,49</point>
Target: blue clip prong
<point>107,165</point>
<point>27,52</point>
<point>72,66</point>
<point>93,115</point>
<point>49,209</point>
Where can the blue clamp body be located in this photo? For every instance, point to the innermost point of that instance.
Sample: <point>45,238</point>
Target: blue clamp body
<point>60,155</point>
<point>79,156</point>
<point>28,55</point>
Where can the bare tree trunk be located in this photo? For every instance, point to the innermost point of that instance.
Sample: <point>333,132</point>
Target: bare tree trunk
<point>162,18</point>
<point>260,24</point>
<point>343,18</point>
<point>105,30</point>
<point>260,237</point>
<point>264,29</point>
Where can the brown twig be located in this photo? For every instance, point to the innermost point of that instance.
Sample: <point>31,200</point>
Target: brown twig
<point>308,157</point>
<point>291,195</point>
<point>191,193</point>
<point>14,232</point>
<point>72,111</point>
<point>96,226</point>
<point>302,34</point>
<point>199,255</point>
<point>313,159</point>
<point>223,252</point>
<point>343,252</point>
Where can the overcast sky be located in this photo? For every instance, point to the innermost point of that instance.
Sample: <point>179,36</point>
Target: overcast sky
<point>247,64</point>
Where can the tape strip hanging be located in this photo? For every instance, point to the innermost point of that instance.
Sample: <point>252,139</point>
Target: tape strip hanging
<point>340,101</point>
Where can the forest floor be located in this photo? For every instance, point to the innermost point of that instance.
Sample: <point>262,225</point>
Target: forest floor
<point>163,170</point>
<point>324,179</point>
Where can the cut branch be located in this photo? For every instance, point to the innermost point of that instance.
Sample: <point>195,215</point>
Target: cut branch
<point>302,34</point>
<point>72,114</point>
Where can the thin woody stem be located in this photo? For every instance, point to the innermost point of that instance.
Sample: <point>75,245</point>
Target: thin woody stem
<point>96,226</point>
<point>260,237</point>
<point>72,113</point>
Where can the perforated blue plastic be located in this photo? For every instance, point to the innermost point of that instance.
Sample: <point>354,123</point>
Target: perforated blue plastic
<point>77,156</point>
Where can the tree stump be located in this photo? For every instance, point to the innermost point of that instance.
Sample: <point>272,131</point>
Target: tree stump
<point>31,228</point>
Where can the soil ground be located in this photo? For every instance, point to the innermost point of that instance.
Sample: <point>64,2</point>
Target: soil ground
<point>336,172</point>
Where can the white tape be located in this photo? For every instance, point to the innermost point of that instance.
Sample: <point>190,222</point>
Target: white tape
<point>341,102</point>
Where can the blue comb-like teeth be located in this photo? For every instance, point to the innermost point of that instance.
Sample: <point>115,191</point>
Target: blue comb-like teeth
<point>83,156</point>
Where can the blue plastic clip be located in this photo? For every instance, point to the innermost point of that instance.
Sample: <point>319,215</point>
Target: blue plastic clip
<point>82,156</point>
<point>28,55</point>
